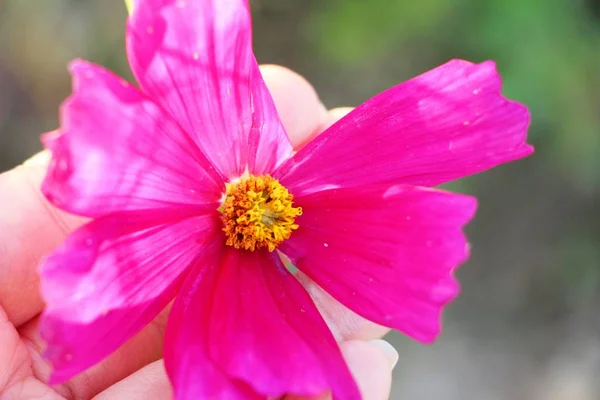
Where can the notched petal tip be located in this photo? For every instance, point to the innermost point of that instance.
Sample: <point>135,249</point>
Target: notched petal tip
<point>488,83</point>
<point>467,203</point>
<point>76,64</point>
<point>528,150</point>
<point>49,139</point>
<point>515,108</point>
<point>80,69</point>
<point>444,293</point>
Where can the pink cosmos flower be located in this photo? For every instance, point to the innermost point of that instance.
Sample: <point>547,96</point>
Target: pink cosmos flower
<point>195,192</point>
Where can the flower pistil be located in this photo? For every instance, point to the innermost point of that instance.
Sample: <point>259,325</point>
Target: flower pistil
<point>258,212</point>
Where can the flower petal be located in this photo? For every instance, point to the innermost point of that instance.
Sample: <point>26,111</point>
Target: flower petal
<point>387,253</point>
<point>247,319</point>
<point>118,151</point>
<point>111,278</point>
<point>195,58</point>
<point>190,369</point>
<point>445,124</point>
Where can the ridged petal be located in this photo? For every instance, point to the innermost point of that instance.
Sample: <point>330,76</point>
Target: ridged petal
<point>387,253</point>
<point>245,318</point>
<point>195,58</point>
<point>112,277</point>
<point>192,372</point>
<point>445,124</point>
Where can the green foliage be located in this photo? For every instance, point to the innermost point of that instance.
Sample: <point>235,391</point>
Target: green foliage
<point>358,29</point>
<point>548,52</point>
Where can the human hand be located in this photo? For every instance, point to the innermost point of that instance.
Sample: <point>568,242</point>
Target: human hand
<point>30,228</point>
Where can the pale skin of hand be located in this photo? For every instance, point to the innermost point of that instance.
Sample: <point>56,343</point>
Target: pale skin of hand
<point>30,228</point>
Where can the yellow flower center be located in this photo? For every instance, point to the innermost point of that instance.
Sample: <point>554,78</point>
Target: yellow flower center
<point>258,212</point>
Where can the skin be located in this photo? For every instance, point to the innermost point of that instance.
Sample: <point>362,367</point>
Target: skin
<point>31,228</point>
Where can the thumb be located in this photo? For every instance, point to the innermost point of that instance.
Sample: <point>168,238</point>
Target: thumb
<point>371,364</point>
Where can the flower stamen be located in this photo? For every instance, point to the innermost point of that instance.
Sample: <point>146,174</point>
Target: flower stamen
<point>258,212</point>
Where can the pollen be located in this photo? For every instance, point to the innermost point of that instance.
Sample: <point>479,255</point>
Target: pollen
<point>258,212</point>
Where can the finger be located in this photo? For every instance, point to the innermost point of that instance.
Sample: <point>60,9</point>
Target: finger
<point>30,228</point>
<point>371,365</point>
<point>141,350</point>
<point>150,382</point>
<point>16,381</point>
<point>297,103</point>
<point>334,115</point>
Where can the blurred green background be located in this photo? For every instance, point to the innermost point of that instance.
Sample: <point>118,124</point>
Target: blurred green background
<point>527,325</point>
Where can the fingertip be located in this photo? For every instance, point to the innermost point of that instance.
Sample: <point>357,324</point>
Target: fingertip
<point>387,350</point>
<point>371,365</point>
<point>334,115</point>
<point>297,103</point>
<point>150,382</point>
<point>39,160</point>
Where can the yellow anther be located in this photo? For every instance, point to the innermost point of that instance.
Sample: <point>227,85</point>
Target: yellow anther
<point>258,212</point>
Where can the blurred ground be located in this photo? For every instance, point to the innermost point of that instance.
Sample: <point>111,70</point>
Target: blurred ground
<point>528,323</point>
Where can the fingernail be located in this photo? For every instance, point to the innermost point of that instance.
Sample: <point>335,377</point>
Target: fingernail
<point>388,350</point>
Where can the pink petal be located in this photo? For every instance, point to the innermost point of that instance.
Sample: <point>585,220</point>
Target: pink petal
<point>192,372</point>
<point>445,124</point>
<point>387,253</point>
<point>112,277</point>
<point>195,58</point>
<point>246,319</point>
<point>118,151</point>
